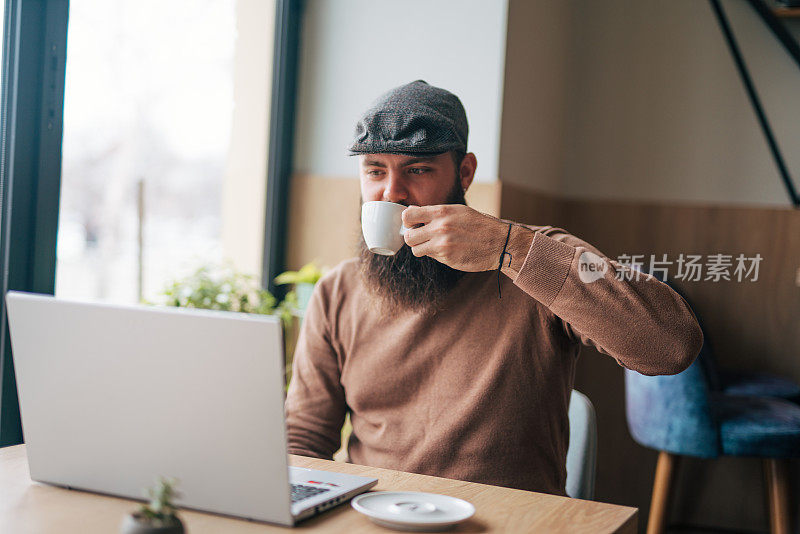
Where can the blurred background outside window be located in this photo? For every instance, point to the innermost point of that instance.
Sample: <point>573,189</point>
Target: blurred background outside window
<point>164,151</point>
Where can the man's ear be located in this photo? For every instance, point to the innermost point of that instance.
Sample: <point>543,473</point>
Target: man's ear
<point>466,172</point>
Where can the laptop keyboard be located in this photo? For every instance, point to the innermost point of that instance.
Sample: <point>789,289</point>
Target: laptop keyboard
<point>300,491</point>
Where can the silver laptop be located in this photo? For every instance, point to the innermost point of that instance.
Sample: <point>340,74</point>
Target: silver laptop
<point>113,397</point>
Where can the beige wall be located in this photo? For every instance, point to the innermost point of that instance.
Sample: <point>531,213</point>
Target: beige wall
<point>244,187</point>
<point>534,116</point>
<point>641,101</point>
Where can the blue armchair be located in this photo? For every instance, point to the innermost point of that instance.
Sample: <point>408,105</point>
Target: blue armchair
<point>680,415</point>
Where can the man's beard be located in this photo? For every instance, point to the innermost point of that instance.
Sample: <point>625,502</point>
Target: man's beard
<point>404,281</point>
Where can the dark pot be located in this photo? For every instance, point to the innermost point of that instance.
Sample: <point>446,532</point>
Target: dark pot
<point>133,524</point>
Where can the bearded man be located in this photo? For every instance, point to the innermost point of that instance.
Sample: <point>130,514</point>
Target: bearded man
<point>447,363</point>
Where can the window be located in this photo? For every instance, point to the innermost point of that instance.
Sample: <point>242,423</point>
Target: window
<point>150,145</point>
<point>163,171</point>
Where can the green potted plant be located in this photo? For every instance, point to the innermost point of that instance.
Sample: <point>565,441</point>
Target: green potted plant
<point>303,281</point>
<point>221,289</point>
<point>159,515</point>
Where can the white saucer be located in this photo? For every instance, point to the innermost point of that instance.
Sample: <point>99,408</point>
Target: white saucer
<point>413,510</point>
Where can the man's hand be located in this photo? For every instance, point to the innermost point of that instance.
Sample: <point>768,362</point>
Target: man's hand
<point>463,238</point>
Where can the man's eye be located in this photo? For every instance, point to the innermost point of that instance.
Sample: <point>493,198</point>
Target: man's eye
<point>418,170</point>
<point>373,172</point>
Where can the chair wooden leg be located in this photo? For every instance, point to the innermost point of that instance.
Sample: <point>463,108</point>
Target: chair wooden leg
<point>777,477</point>
<point>665,473</point>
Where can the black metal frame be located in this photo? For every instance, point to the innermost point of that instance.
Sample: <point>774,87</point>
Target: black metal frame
<point>33,70</point>
<point>778,29</point>
<point>281,136</point>
<point>792,48</point>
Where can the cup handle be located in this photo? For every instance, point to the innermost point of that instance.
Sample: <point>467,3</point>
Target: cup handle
<point>403,230</point>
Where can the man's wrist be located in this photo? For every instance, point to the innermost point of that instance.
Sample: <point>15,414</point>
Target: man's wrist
<point>519,243</point>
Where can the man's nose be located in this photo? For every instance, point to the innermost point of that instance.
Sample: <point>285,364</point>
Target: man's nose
<point>395,190</point>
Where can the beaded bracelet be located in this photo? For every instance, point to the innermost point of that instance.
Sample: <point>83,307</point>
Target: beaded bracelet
<point>502,255</point>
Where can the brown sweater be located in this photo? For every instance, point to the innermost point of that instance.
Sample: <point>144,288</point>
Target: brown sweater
<point>481,391</point>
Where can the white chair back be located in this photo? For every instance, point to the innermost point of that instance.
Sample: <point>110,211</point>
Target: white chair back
<point>582,451</point>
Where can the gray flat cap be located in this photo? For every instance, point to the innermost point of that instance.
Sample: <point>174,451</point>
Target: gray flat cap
<point>412,119</point>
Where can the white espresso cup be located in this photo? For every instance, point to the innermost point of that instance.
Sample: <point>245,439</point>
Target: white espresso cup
<point>382,226</point>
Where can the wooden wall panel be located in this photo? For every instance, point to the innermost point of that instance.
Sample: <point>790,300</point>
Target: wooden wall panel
<point>754,326</point>
<point>324,215</point>
<point>531,207</point>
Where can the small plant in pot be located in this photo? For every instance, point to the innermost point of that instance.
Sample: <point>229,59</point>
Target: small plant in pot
<point>159,516</point>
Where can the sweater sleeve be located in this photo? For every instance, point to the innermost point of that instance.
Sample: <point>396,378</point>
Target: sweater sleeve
<point>315,402</point>
<point>633,317</point>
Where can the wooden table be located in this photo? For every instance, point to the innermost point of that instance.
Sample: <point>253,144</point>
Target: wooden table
<point>28,507</point>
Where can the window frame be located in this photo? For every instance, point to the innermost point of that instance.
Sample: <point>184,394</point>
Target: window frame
<point>31,121</point>
<point>288,22</point>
